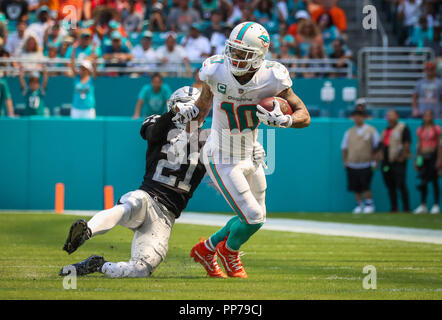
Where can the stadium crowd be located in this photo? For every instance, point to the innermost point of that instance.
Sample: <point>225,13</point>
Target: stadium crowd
<point>167,32</point>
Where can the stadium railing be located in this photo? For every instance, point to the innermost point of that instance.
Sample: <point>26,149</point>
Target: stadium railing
<point>387,76</point>
<point>319,67</point>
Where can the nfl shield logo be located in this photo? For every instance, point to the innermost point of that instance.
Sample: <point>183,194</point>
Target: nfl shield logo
<point>241,91</point>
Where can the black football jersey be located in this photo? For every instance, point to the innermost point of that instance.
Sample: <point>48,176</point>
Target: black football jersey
<point>173,166</point>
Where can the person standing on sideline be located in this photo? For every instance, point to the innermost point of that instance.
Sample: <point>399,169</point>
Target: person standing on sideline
<point>395,143</point>
<point>359,147</point>
<point>83,105</point>
<point>428,93</point>
<point>152,97</point>
<point>426,160</point>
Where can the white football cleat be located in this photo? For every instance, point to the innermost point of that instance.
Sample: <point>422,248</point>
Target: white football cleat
<point>421,209</point>
<point>435,209</point>
<point>368,209</point>
<point>358,209</point>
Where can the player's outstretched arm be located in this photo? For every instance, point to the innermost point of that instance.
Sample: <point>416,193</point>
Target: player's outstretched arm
<point>204,103</point>
<point>300,116</point>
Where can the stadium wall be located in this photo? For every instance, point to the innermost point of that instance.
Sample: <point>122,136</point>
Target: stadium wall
<point>117,96</point>
<point>86,155</point>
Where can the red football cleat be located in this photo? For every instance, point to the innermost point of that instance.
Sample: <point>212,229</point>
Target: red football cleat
<point>231,261</point>
<point>200,253</point>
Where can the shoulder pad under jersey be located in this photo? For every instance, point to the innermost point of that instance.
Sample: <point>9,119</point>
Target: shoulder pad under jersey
<point>209,67</point>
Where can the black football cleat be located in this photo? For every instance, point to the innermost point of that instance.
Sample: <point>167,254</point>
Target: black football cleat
<point>87,266</point>
<point>78,234</point>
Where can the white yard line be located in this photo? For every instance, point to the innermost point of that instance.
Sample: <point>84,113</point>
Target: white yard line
<point>307,226</point>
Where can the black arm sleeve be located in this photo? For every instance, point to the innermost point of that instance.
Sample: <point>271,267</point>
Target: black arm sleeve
<point>155,127</point>
<point>406,135</point>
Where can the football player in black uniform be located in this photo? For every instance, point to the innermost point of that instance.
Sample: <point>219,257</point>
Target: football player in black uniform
<point>173,171</point>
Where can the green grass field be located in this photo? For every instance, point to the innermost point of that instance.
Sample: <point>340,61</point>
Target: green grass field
<point>281,265</point>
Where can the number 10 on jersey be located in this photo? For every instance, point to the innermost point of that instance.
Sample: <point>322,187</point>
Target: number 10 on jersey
<point>242,117</point>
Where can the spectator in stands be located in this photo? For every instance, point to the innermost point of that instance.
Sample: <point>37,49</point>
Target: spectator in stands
<point>144,50</point>
<point>218,40</point>
<point>34,92</point>
<point>152,98</point>
<point>359,152</point>
<point>53,36</point>
<point>216,24</point>
<point>308,33</point>
<point>264,12</point>
<point>426,161</point>
<point>342,53</point>
<point>43,22</point>
<point>132,18</point>
<point>234,11</point>
<point>428,93</point>
<point>15,10</point>
<point>83,104</point>
<point>316,52</point>
<point>247,14</point>
<point>422,34</point>
<point>205,7</point>
<point>183,16</point>
<point>85,49</point>
<point>156,19</point>
<point>337,14</point>
<point>284,38</point>
<point>409,12</point>
<point>31,50</point>
<point>172,55</point>
<point>16,39</point>
<point>65,45</point>
<point>396,140</point>
<point>117,54</point>
<point>329,31</point>
<point>282,11</point>
<point>196,45</point>
<point>300,16</point>
<point>5,98</point>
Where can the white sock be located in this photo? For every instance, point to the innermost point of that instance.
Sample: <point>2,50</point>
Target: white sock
<point>209,245</point>
<point>105,220</point>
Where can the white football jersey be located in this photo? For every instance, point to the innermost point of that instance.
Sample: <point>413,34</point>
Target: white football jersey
<point>234,121</point>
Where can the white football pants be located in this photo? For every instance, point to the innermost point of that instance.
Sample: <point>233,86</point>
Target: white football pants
<point>152,225</point>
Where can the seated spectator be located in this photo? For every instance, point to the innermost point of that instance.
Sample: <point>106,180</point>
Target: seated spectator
<point>144,50</point>
<point>30,50</point>
<point>15,10</point>
<point>65,45</point>
<point>53,36</point>
<point>422,34</point>
<point>117,53</point>
<point>156,19</point>
<point>152,98</point>
<point>247,14</point>
<point>264,12</point>
<point>34,92</point>
<point>172,56</point>
<point>196,45</point>
<point>216,24</point>
<point>218,40</point>
<point>308,33</point>
<point>235,11</point>
<point>340,52</point>
<point>337,14</point>
<point>425,162</point>
<point>43,22</point>
<point>284,37</point>
<point>282,11</point>
<point>205,7</point>
<point>5,98</point>
<point>132,19</point>
<point>300,16</point>
<point>428,93</point>
<point>16,39</point>
<point>85,49</point>
<point>183,16</point>
<point>329,31</point>
<point>316,52</point>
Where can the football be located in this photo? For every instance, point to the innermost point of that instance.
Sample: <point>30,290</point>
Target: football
<point>267,103</point>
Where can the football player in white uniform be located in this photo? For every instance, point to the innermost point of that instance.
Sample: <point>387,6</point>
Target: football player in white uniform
<point>234,83</point>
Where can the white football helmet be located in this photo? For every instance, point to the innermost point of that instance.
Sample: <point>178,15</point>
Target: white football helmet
<point>184,94</point>
<point>246,47</point>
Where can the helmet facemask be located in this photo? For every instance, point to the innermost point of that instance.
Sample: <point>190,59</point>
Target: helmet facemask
<point>242,59</point>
